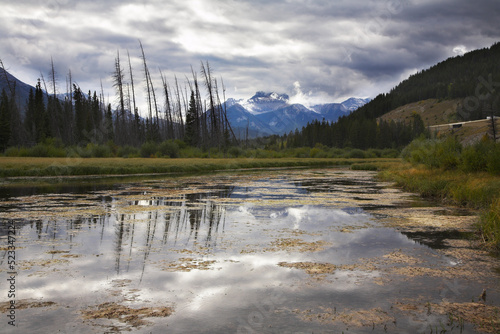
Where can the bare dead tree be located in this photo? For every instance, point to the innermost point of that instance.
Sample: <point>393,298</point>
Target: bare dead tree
<point>131,81</point>
<point>199,123</point>
<point>224,110</point>
<point>148,88</point>
<point>168,108</point>
<point>155,103</point>
<point>53,77</point>
<point>179,109</point>
<point>213,117</point>
<point>53,106</point>
<point>44,83</point>
<point>118,78</point>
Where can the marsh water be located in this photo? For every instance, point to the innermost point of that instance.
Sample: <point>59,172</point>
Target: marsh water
<point>283,251</point>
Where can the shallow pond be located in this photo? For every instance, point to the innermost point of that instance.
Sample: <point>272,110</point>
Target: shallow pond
<point>323,251</point>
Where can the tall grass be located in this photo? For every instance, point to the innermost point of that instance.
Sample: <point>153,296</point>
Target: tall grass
<point>489,224</point>
<point>464,176</point>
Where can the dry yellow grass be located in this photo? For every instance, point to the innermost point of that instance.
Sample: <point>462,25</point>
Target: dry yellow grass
<point>431,111</point>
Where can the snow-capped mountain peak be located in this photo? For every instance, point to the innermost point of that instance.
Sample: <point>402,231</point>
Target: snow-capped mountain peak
<point>264,102</point>
<point>272,113</point>
<point>354,103</point>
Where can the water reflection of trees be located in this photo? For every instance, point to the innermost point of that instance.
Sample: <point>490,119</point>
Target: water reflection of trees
<point>191,220</point>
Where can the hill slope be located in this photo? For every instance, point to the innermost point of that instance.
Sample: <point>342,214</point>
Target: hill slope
<point>459,89</point>
<point>473,76</point>
<point>8,82</point>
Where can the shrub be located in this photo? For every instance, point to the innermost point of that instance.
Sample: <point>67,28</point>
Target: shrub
<point>235,152</point>
<point>475,157</point>
<point>434,153</point>
<point>191,152</point>
<point>493,161</point>
<point>263,154</point>
<point>169,149</point>
<point>215,153</point>
<point>335,153</point>
<point>447,153</point>
<point>12,152</point>
<point>389,153</point>
<point>356,153</point>
<point>39,150</point>
<point>148,149</point>
<point>302,152</point>
<point>128,151</point>
<point>374,153</point>
<point>99,151</point>
<point>182,145</point>
<point>83,152</point>
<point>317,152</point>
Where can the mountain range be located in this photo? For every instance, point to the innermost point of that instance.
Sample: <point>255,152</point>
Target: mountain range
<point>272,113</point>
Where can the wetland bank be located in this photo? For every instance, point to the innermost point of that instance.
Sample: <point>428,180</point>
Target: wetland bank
<point>283,251</point>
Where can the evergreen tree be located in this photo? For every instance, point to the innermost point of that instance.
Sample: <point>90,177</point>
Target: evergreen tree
<point>109,124</point>
<point>80,114</point>
<point>417,125</point>
<point>191,133</point>
<point>29,119</point>
<point>40,115</point>
<point>4,121</point>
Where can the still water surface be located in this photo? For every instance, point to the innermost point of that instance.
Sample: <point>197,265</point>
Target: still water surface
<point>274,252</point>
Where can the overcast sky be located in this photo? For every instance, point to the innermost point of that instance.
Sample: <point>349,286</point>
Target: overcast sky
<point>313,50</point>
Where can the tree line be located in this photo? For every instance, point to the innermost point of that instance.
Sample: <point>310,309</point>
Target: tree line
<point>189,113</point>
<point>354,132</point>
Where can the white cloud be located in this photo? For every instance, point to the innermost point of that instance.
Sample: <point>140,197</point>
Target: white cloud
<point>459,50</point>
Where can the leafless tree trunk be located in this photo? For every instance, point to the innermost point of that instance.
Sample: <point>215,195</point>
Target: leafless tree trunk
<point>168,108</point>
<point>148,88</point>
<point>118,84</point>
<point>179,109</point>
<point>131,82</point>
<point>213,117</point>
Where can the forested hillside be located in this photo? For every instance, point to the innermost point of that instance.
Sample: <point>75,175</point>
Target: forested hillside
<point>474,78</point>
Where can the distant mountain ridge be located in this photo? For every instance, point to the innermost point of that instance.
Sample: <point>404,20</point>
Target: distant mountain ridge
<point>9,82</point>
<point>272,113</point>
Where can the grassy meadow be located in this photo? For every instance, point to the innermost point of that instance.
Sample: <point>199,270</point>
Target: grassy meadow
<point>57,167</point>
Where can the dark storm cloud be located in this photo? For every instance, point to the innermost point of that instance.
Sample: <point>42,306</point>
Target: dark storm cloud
<point>325,50</point>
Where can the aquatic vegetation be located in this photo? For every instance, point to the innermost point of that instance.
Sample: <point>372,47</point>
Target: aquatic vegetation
<point>133,317</point>
<point>316,270</point>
